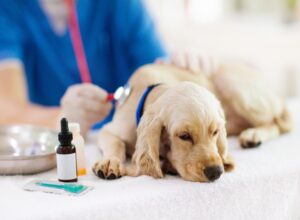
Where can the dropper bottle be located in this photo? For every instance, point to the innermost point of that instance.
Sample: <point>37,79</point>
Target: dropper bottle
<point>78,141</point>
<point>66,155</point>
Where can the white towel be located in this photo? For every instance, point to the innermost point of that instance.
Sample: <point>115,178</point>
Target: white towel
<point>265,185</point>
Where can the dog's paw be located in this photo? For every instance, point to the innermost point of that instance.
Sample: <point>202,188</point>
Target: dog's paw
<point>250,138</point>
<point>108,169</point>
<point>146,165</point>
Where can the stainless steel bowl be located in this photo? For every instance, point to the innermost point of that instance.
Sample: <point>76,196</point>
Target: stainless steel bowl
<point>26,149</point>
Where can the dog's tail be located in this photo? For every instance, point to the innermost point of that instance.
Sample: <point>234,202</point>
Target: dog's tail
<point>284,121</point>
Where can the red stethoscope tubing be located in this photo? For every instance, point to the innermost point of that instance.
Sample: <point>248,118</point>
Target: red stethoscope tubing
<point>78,48</point>
<point>77,42</point>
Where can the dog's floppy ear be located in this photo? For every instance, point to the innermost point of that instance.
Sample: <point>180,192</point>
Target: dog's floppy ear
<point>222,145</point>
<point>223,150</point>
<point>146,156</point>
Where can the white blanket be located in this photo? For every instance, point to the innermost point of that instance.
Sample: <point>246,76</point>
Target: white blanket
<point>265,185</point>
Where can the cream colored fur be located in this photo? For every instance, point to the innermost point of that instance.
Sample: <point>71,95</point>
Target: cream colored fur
<point>184,122</point>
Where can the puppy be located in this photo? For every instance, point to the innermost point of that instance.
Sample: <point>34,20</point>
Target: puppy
<point>183,123</point>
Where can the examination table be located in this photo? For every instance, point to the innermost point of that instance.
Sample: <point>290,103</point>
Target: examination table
<point>265,185</point>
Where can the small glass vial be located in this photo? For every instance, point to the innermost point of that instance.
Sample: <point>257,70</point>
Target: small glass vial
<point>66,155</point>
<point>78,141</point>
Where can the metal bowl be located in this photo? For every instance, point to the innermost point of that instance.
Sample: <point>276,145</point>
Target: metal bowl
<point>26,149</point>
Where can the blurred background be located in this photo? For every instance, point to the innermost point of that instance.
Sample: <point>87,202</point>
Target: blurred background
<point>262,33</point>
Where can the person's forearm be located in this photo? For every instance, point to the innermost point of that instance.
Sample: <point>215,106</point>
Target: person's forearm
<point>12,112</point>
<point>14,107</point>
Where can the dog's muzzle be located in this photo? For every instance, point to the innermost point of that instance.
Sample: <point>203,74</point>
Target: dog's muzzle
<point>213,173</point>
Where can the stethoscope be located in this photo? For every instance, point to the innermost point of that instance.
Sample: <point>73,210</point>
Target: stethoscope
<point>121,94</point>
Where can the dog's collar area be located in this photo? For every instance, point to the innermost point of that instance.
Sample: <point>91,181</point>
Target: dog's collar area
<point>140,108</point>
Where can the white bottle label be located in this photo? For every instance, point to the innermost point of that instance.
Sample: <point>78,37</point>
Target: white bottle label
<point>66,166</point>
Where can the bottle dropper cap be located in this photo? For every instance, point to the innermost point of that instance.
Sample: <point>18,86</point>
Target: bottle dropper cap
<point>65,136</point>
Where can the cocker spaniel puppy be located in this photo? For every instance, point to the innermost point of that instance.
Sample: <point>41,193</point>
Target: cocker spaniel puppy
<point>174,121</point>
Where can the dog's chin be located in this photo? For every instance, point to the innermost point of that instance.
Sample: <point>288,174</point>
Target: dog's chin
<point>193,175</point>
<point>194,178</point>
<point>190,170</point>
<point>196,174</point>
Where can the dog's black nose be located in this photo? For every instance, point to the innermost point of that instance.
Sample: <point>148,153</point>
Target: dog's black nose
<point>212,173</point>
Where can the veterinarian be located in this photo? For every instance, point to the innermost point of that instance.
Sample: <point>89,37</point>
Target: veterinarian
<point>40,41</point>
<point>71,55</point>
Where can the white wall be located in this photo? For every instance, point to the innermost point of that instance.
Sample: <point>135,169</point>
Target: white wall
<point>271,46</point>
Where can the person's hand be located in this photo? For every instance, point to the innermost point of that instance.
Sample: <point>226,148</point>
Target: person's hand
<point>194,61</point>
<point>85,104</point>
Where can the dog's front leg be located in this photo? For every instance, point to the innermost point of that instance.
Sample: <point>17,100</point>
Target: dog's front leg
<point>114,155</point>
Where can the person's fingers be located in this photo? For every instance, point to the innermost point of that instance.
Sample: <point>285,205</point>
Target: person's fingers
<point>68,102</point>
<point>179,59</point>
<point>204,63</point>
<point>88,104</point>
<point>83,94</point>
<point>92,106</point>
<point>85,104</point>
<point>215,64</point>
<point>91,118</point>
<point>106,109</point>
<point>189,60</point>
<point>193,62</point>
<point>210,65</point>
<point>90,91</point>
<point>70,94</point>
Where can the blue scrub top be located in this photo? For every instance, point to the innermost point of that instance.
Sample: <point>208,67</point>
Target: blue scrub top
<point>118,37</point>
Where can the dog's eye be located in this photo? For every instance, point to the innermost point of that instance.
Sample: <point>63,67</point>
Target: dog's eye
<point>215,132</point>
<point>186,137</point>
